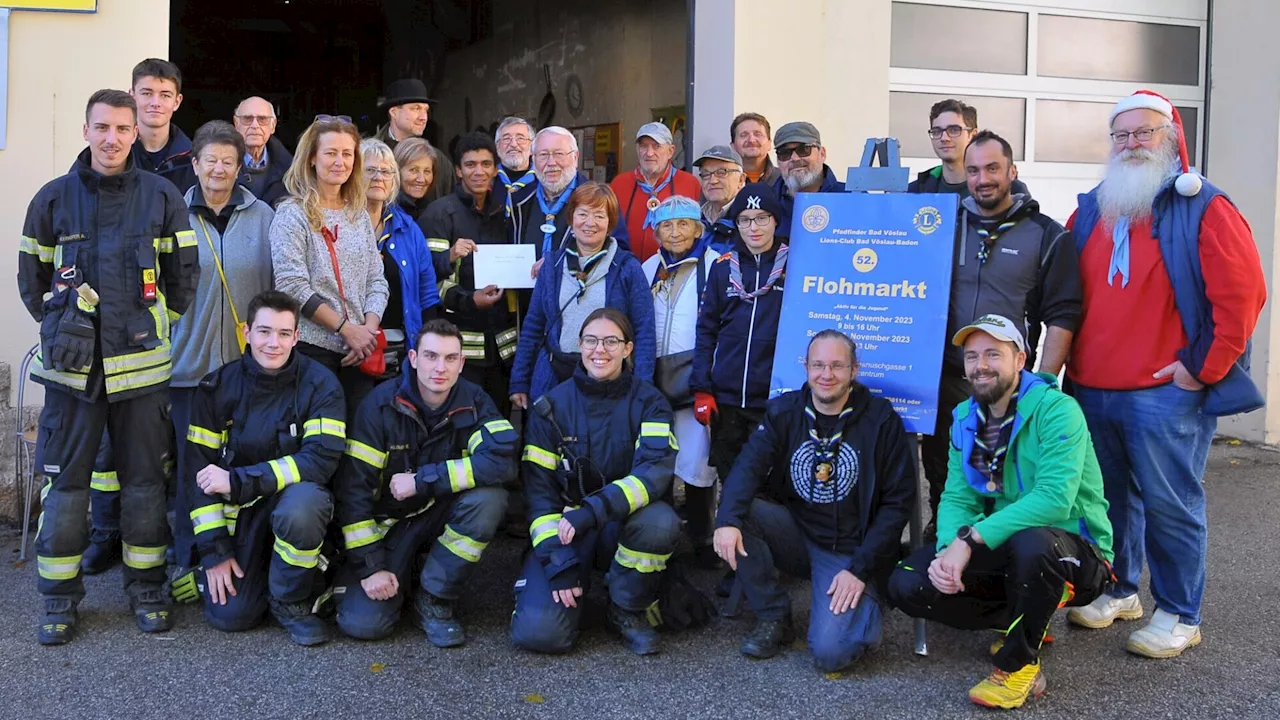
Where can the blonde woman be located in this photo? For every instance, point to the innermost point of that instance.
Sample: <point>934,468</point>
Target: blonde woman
<point>326,255</point>
<point>416,160</point>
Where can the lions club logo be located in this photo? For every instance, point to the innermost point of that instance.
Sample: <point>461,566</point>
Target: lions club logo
<point>815,218</point>
<point>865,260</point>
<point>927,219</point>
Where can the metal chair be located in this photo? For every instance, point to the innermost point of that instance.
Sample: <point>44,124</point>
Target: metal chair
<point>24,450</point>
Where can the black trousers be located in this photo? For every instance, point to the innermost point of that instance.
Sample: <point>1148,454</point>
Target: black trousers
<point>1014,588</point>
<point>355,384</point>
<point>952,390</point>
<point>730,428</point>
<point>495,380</point>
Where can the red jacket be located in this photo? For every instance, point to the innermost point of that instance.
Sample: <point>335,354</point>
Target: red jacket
<point>633,206</point>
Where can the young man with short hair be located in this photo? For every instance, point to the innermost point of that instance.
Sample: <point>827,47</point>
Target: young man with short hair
<point>1022,528</point>
<point>424,468</point>
<point>161,148</point>
<point>952,125</point>
<point>265,437</point>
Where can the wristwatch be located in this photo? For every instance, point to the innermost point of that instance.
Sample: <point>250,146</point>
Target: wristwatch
<point>965,533</point>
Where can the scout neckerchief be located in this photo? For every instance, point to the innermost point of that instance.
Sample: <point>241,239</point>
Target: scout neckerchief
<point>654,202</point>
<point>735,275</point>
<point>386,232</point>
<point>669,266</point>
<point>989,238</point>
<point>519,188</point>
<point>550,210</point>
<point>581,269</point>
<point>826,449</point>
<point>994,457</point>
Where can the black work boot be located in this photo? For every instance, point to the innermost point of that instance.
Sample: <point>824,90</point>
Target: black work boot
<point>152,609</point>
<point>768,637</point>
<point>638,635</point>
<point>57,622</point>
<point>436,618</point>
<point>296,618</point>
<point>102,554</point>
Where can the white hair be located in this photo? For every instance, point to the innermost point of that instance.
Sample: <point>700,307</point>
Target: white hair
<point>555,130</point>
<point>1129,188</point>
<point>508,122</point>
<point>374,150</point>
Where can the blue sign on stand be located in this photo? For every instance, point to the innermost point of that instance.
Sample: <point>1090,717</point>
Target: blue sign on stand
<point>878,269</point>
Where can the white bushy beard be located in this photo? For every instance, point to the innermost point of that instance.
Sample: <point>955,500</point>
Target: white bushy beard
<point>554,189</point>
<point>1129,189</point>
<point>514,160</point>
<point>801,178</point>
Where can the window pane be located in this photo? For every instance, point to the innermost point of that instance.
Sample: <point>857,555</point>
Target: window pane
<point>1077,132</point>
<point>909,120</point>
<point>928,36</point>
<point>1093,49</point>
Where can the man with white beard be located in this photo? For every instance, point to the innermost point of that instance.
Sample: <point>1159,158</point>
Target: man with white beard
<point>1172,291</point>
<point>514,138</point>
<point>803,162</point>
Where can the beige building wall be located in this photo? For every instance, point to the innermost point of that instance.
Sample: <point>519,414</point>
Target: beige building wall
<point>1244,160</point>
<point>56,61</point>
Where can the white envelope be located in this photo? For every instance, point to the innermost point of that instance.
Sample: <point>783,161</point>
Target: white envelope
<point>506,266</point>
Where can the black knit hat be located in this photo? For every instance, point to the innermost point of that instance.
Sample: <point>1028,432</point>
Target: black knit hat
<point>755,196</point>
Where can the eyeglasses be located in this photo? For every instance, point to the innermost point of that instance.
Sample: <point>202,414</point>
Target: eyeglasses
<point>373,173</point>
<point>952,131</point>
<point>1142,135</point>
<point>333,118</point>
<point>591,342</point>
<point>835,367</point>
<point>745,222</point>
<point>557,155</point>
<point>804,151</point>
<point>260,120</point>
<point>518,140</point>
<point>720,174</point>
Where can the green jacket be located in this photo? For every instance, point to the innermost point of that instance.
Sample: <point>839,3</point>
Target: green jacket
<point>1051,475</point>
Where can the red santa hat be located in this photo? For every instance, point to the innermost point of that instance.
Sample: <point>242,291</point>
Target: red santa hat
<point>1188,183</point>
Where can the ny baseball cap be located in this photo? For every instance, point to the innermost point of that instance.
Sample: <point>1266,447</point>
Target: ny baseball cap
<point>719,152</point>
<point>797,132</point>
<point>656,130</point>
<point>997,326</point>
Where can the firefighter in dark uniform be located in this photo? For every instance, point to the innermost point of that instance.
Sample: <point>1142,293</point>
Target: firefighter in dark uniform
<point>420,487</point>
<point>456,227</point>
<point>265,437</point>
<point>107,262</point>
<point>598,460</point>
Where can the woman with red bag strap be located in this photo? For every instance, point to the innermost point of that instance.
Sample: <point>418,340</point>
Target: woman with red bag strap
<point>326,256</point>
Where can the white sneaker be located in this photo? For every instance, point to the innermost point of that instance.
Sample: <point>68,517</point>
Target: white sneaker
<point>1105,610</point>
<point>1163,637</point>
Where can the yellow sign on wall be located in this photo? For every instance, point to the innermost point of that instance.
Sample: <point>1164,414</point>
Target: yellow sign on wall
<point>53,5</point>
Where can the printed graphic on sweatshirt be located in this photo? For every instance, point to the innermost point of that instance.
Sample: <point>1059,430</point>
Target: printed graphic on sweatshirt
<point>834,489</point>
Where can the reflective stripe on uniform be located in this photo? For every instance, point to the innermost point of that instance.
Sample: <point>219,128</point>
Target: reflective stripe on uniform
<point>208,517</point>
<point>71,378</point>
<point>506,341</point>
<point>360,534</point>
<point>641,561</point>
<point>497,426</point>
<point>368,454</point>
<point>204,436</point>
<point>162,244</point>
<point>137,361</point>
<point>472,344</point>
<point>186,238</point>
<point>461,476</point>
<point>546,526</point>
<point>140,379</point>
<point>58,568</point>
<point>324,426</point>
<point>106,481</point>
<point>654,429</point>
<point>474,442</point>
<point>637,494</point>
<point>31,246</point>
<point>540,457</point>
<point>437,245</point>
<point>461,545</point>
<point>296,557</point>
<point>143,558</point>
<point>286,472</point>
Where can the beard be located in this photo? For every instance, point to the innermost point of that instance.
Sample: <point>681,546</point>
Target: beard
<point>514,160</point>
<point>839,393</point>
<point>553,189</point>
<point>993,392</point>
<point>800,178</point>
<point>1129,188</point>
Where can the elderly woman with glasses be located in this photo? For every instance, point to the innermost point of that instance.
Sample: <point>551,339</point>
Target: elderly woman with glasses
<point>326,255</point>
<point>413,297</point>
<point>590,272</point>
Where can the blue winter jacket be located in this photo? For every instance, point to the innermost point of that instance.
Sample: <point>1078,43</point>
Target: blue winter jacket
<point>733,353</point>
<point>829,184</point>
<point>404,241</point>
<point>625,289</point>
<point>1175,224</point>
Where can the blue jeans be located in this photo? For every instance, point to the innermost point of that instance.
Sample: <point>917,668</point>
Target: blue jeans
<point>1152,447</point>
<point>773,541</point>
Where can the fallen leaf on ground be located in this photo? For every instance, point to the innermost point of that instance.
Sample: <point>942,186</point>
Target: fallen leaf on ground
<point>833,676</point>
<point>1233,441</point>
<point>377,667</point>
<point>535,698</point>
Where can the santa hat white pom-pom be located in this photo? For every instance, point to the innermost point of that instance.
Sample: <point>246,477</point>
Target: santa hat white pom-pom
<point>1188,184</point>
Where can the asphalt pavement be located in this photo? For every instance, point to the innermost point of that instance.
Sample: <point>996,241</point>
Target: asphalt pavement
<point>113,671</point>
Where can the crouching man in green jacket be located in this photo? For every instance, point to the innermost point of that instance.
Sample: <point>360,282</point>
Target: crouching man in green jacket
<point>1022,526</point>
